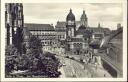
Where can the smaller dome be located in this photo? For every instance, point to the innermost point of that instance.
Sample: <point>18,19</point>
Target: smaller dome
<point>82,27</point>
<point>70,16</point>
<point>83,16</point>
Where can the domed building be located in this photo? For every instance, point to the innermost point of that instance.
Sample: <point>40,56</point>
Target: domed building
<point>78,34</point>
<point>70,16</point>
<point>70,25</point>
<point>75,40</point>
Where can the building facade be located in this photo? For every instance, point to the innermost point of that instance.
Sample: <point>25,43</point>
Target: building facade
<point>80,37</point>
<point>71,35</point>
<point>45,32</point>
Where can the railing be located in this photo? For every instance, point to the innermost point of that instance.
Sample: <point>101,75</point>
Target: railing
<point>111,62</point>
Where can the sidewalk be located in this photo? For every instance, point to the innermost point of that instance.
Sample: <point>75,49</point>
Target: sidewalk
<point>100,72</point>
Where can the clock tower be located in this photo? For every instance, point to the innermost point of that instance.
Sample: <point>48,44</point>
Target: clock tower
<point>70,25</point>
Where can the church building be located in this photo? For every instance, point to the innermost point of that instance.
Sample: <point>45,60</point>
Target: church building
<point>71,35</point>
<point>78,40</point>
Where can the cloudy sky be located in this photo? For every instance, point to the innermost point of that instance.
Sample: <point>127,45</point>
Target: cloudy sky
<point>108,14</point>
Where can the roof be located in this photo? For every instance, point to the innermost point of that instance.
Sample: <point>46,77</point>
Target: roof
<point>81,29</point>
<point>70,16</point>
<point>101,30</point>
<point>62,24</point>
<point>117,34</point>
<point>84,31</point>
<point>39,27</point>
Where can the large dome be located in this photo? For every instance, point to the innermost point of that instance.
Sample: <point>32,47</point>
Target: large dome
<point>70,16</point>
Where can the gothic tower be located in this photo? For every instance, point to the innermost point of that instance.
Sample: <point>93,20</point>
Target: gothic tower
<point>14,23</point>
<point>70,25</point>
<point>84,19</point>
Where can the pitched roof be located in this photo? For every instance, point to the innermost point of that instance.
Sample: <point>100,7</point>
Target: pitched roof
<point>117,34</point>
<point>61,24</point>
<point>96,29</point>
<point>85,33</point>
<point>106,31</point>
<point>42,27</point>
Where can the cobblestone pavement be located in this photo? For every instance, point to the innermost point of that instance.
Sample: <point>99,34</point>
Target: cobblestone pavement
<point>72,68</point>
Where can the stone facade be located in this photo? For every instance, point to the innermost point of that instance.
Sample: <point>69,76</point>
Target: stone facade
<point>71,35</point>
<point>14,23</point>
<point>45,32</point>
<point>78,40</point>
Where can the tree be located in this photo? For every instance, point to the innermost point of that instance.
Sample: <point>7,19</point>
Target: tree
<point>40,63</point>
<point>35,61</point>
<point>11,50</point>
<point>51,65</point>
<point>10,59</point>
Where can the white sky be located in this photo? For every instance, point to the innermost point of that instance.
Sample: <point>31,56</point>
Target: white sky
<point>108,14</point>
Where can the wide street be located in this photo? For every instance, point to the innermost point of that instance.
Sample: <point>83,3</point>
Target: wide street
<point>73,68</point>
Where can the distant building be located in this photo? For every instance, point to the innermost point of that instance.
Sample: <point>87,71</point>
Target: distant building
<point>45,32</point>
<point>60,28</point>
<point>74,36</point>
<point>79,35</point>
<point>14,23</point>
